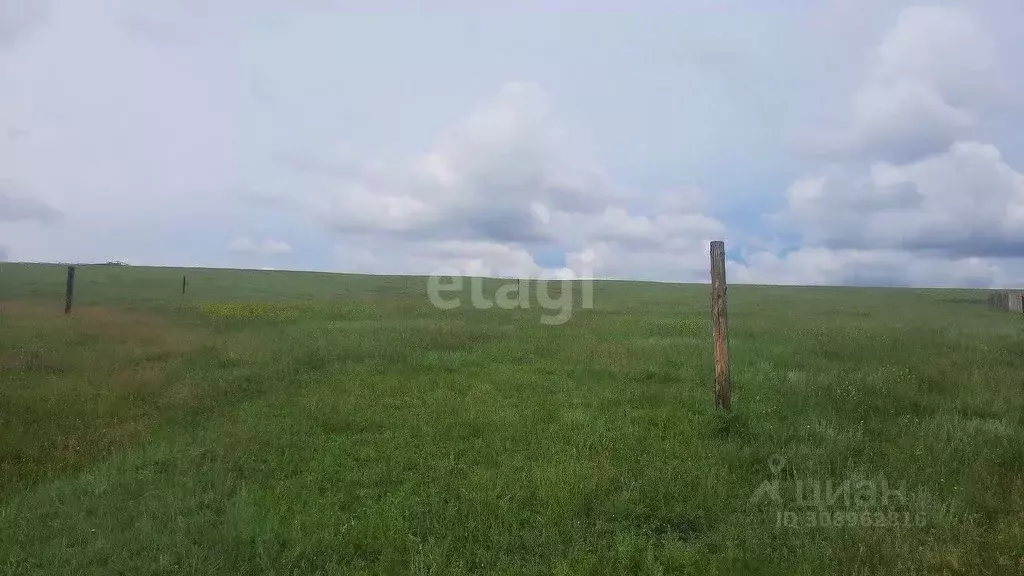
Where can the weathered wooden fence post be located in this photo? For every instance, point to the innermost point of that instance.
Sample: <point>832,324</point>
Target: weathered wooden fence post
<point>182,285</point>
<point>69,291</point>
<point>719,326</point>
<point>1006,300</point>
<point>1015,302</point>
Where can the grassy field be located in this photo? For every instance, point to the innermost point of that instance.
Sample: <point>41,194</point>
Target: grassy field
<point>300,423</point>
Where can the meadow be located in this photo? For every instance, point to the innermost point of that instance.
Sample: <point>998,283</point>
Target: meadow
<point>303,423</point>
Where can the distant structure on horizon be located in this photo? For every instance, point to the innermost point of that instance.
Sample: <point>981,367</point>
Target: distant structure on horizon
<point>1007,300</point>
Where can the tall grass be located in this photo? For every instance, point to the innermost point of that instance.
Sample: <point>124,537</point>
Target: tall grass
<point>299,423</point>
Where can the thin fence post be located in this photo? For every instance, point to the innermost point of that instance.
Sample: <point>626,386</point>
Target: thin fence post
<point>182,285</point>
<point>719,326</point>
<point>69,291</point>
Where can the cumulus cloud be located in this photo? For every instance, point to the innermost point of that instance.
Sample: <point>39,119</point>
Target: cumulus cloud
<point>873,267</point>
<point>446,257</point>
<point>942,46</point>
<point>19,17</point>
<point>17,206</point>
<point>918,203</point>
<point>910,200</point>
<point>502,183</point>
<point>681,261</point>
<point>922,87</point>
<point>167,22</point>
<point>922,184</point>
<point>267,247</point>
<point>478,182</point>
<point>615,225</point>
<point>964,202</point>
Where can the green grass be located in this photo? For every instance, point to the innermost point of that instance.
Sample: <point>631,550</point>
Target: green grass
<point>300,423</point>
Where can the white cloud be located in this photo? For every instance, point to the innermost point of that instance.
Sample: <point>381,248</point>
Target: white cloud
<point>924,180</point>
<point>615,225</point>
<point>879,267</point>
<point>275,247</point>
<point>941,46</point>
<point>919,203</point>
<point>964,202</point>
<point>266,248</point>
<point>18,17</point>
<point>468,258</point>
<point>242,245</point>
<point>683,261</point>
<point>479,182</point>
<point>922,87</point>
<point>16,205</point>
<point>905,120</point>
<point>502,182</point>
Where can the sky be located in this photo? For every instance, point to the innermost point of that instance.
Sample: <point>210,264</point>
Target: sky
<point>827,142</point>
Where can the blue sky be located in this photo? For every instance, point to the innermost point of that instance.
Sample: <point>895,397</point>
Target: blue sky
<point>827,142</point>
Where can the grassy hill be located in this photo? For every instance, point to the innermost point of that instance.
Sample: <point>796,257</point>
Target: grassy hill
<point>305,423</point>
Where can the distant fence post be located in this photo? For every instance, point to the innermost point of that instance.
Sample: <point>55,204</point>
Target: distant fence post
<point>69,291</point>
<point>1006,301</point>
<point>182,285</point>
<point>719,326</point>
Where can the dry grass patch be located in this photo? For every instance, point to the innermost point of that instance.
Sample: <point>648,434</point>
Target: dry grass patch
<point>80,386</point>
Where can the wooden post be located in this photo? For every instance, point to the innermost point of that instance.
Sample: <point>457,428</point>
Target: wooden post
<point>1015,302</point>
<point>719,325</point>
<point>69,292</point>
<point>182,285</point>
<point>1003,301</point>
